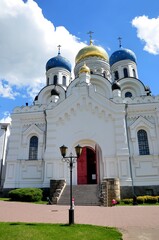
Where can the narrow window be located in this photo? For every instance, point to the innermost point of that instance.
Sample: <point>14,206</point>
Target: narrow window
<point>116,75</point>
<point>134,73</point>
<point>64,80</point>
<point>104,74</point>
<point>55,80</point>
<point>143,142</point>
<point>128,94</point>
<point>47,81</point>
<point>33,148</point>
<point>125,70</point>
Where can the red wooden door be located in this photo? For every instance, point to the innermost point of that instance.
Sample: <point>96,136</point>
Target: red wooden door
<point>82,167</point>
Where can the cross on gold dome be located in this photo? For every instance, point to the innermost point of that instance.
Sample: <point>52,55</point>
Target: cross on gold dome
<point>119,38</point>
<point>59,47</point>
<point>90,36</point>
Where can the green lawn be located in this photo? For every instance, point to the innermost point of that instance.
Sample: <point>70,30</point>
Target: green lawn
<point>37,231</point>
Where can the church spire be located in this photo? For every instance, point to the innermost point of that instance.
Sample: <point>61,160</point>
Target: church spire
<point>90,36</point>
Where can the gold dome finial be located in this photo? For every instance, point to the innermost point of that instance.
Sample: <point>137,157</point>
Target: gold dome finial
<point>90,36</point>
<point>84,69</point>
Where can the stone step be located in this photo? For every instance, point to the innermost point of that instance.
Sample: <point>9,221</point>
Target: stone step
<point>86,195</point>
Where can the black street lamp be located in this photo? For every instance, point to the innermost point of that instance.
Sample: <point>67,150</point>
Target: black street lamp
<point>71,160</point>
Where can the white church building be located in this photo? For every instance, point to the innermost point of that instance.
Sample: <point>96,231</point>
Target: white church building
<point>106,109</point>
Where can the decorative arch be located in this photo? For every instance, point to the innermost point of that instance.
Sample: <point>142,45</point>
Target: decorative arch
<point>148,131</point>
<point>32,142</point>
<point>87,166</point>
<point>89,163</point>
<point>102,86</point>
<point>32,130</point>
<point>44,95</point>
<point>133,85</point>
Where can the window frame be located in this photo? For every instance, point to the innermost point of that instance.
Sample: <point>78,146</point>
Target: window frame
<point>143,143</point>
<point>33,148</point>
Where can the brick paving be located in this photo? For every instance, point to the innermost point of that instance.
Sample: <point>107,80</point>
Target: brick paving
<point>135,222</point>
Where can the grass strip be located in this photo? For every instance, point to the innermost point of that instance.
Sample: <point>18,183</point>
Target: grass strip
<point>39,231</point>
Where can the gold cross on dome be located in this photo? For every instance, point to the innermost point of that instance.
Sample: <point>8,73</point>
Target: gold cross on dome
<point>59,48</point>
<point>90,36</point>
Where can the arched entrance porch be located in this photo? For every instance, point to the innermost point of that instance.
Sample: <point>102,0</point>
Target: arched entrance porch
<point>87,167</point>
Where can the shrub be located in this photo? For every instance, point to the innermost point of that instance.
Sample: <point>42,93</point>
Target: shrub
<point>151,199</point>
<point>140,200</point>
<point>26,194</point>
<point>127,201</point>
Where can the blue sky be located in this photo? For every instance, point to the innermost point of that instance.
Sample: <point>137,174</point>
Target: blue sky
<point>31,30</point>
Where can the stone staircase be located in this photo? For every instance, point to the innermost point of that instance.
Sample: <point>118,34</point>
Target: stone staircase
<point>84,195</point>
<point>56,189</point>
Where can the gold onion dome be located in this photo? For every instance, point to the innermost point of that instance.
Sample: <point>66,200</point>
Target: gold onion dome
<point>91,51</point>
<point>84,69</point>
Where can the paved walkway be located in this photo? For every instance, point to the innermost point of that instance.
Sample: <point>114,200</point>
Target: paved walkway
<point>135,222</point>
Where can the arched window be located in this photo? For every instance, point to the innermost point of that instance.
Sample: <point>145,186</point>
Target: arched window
<point>55,80</point>
<point>33,148</point>
<point>125,70</point>
<point>134,73</point>
<point>143,142</point>
<point>116,75</point>
<point>64,80</point>
<point>128,94</point>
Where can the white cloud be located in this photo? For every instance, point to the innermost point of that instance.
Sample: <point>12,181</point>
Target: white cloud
<point>6,90</point>
<point>27,41</point>
<point>148,31</point>
<point>6,118</point>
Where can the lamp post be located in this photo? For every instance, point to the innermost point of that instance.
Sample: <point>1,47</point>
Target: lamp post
<point>71,160</point>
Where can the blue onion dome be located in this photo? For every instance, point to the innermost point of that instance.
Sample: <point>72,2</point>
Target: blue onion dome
<point>58,61</point>
<point>116,86</point>
<point>122,54</point>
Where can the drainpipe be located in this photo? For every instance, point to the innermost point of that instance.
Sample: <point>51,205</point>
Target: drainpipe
<point>130,163</point>
<point>45,117</point>
<point>45,137</point>
<point>4,127</point>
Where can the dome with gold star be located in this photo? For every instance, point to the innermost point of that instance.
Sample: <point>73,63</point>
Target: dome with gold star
<point>91,51</point>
